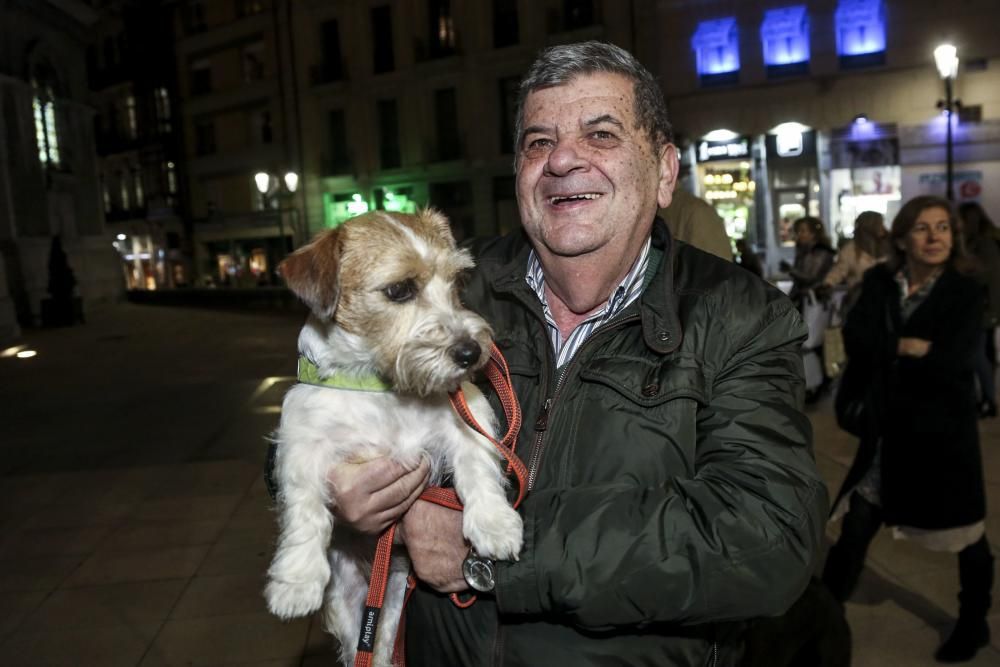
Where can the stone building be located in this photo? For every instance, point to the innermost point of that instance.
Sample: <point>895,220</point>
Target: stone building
<point>48,169</point>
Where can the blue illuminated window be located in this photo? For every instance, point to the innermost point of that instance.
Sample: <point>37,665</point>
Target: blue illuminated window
<point>784,34</point>
<point>716,46</point>
<point>860,32</point>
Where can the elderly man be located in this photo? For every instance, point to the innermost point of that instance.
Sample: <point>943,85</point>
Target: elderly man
<point>673,491</point>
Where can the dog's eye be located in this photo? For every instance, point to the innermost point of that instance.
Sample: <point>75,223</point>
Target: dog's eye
<point>401,291</point>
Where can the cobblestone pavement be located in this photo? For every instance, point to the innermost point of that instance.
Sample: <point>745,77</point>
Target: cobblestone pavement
<point>136,529</point>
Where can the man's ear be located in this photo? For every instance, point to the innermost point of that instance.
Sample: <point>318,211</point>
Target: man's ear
<point>312,273</point>
<point>669,166</point>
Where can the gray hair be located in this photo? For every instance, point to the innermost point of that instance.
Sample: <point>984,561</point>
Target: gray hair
<point>558,65</point>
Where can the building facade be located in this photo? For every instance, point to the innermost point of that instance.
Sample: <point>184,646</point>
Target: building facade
<point>407,103</point>
<point>826,107</point>
<point>132,78</point>
<point>49,186</point>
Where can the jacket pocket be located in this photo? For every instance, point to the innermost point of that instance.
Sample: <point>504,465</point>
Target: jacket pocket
<point>648,383</point>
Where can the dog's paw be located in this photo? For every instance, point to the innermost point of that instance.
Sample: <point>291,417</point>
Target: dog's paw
<point>287,600</point>
<point>495,531</point>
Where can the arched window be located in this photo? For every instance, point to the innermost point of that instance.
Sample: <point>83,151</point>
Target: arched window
<point>46,132</point>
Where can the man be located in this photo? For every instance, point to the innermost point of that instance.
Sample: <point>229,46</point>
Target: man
<point>694,221</point>
<point>673,490</point>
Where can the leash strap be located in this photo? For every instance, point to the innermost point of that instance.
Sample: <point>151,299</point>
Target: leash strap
<point>375,599</point>
<point>499,376</point>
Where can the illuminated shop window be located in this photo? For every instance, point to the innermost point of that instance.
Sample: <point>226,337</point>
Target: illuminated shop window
<point>340,207</point>
<point>716,46</point>
<point>860,32</point>
<point>784,35</point>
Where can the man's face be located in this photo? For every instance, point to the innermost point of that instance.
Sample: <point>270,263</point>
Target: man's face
<point>587,177</point>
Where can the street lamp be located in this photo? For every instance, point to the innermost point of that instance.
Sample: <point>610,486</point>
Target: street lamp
<point>269,186</point>
<point>946,59</point>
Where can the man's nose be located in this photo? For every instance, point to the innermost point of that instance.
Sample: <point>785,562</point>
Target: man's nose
<point>565,158</point>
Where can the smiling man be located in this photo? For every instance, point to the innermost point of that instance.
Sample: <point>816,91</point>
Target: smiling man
<point>673,492</point>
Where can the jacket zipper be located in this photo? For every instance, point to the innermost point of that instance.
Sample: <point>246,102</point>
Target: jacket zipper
<point>542,422</point>
<point>715,654</point>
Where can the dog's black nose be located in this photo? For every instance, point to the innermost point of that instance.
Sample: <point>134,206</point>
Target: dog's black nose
<point>465,353</point>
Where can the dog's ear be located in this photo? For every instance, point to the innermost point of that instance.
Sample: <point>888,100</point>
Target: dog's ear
<point>437,221</point>
<point>312,273</point>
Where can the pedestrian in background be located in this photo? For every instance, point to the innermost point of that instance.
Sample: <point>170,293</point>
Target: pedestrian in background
<point>977,229</point>
<point>813,257</point>
<point>919,468</point>
<point>869,246</point>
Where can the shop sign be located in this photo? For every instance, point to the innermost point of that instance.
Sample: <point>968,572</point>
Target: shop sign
<point>724,150</point>
<point>792,144</point>
<point>968,184</point>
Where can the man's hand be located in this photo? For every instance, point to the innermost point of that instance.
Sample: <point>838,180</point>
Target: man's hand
<point>433,537</point>
<point>371,496</point>
<point>913,347</point>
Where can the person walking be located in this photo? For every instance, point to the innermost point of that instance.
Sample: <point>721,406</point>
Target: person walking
<point>813,257</point>
<point>869,246</point>
<point>977,229</point>
<point>918,467</point>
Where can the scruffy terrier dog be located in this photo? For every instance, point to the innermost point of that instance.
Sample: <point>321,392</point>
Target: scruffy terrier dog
<point>385,310</point>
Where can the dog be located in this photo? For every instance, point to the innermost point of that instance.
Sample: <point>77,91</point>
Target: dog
<point>385,310</point>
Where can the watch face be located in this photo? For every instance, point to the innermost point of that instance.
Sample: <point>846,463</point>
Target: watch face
<point>478,573</point>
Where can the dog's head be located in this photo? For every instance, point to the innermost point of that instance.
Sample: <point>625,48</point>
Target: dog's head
<point>390,280</point>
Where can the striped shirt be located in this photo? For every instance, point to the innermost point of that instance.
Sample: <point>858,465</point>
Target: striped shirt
<point>627,291</point>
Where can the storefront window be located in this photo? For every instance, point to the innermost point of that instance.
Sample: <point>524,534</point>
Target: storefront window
<point>865,174</point>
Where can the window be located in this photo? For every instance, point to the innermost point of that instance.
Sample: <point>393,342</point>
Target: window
<point>455,201</point>
<point>249,7</point>
<point>124,189</point>
<point>578,14</point>
<point>170,171</point>
<point>204,137</point>
<point>860,32</point>
<point>261,129</point>
<point>131,125</point>
<point>717,51</point>
<point>106,195</point>
<point>384,60</point>
<point>46,133</point>
<point>194,16</point>
<point>201,77</point>
<point>331,68</point>
<point>508,112</point>
<point>784,36</point>
<point>446,123</point>
<point>441,28</point>
<point>388,131</point>
<point>140,193</point>
<point>253,62</point>
<point>339,159</point>
<point>505,24</point>
<point>161,103</point>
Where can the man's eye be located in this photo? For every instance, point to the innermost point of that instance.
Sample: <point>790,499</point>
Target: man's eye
<point>603,135</point>
<point>401,291</point>
<point>538,144</point>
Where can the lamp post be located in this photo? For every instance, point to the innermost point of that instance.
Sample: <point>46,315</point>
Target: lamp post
<point>269,186</point>
<point>946,59</point>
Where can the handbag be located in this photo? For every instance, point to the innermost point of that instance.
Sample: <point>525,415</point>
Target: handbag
<point>852,402</point>
<point>817,317</point>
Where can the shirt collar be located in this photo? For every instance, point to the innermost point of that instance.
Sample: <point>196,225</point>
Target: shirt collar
<point>622,296</point>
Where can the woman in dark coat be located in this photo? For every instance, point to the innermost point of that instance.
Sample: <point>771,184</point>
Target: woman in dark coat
<point>813,257</point>
<point>918,467</point>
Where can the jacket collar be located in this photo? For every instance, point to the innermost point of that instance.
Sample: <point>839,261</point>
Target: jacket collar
<point>661,325</point>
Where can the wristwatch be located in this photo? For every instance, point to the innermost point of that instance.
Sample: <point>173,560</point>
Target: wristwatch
<point>479,572</point>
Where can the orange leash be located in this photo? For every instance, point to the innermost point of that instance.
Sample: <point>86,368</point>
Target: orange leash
<point>499,376</point>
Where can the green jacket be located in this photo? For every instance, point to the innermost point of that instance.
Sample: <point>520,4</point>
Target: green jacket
<point>674,487</point>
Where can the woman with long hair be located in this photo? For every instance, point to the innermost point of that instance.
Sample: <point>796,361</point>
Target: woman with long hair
<point>813,257</point>
<point>869,246</point>
<point>919,467</point>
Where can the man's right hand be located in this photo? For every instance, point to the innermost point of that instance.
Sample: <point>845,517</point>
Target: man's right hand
<point>371,496</point>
